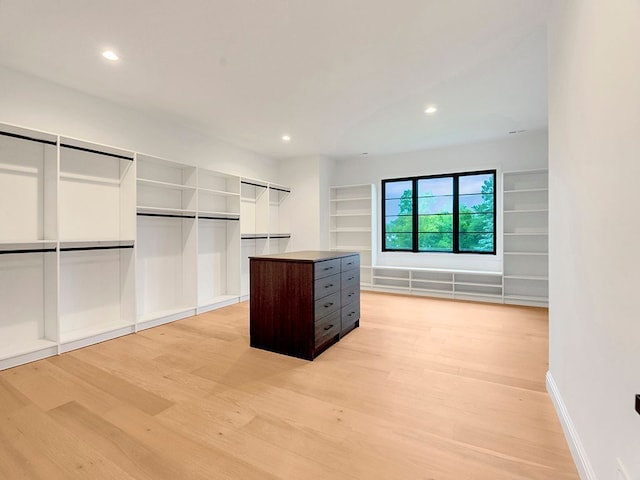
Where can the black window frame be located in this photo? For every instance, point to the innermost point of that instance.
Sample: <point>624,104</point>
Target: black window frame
<point>455,214</point>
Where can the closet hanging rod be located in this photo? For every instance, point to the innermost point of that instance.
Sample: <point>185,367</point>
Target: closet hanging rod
<point>280,189</point>
<point>254,237</point>
<point>97,247</point>
<point>165,215</point>
<point>279,236</point>
<point>234,219</point>
<point>38,250</point>
<point>90,150</point>
<point>25,137</point>
<point>253,184</point>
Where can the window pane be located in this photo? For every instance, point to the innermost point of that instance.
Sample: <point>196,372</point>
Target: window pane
<point>476,223</point>
<point>399,224</point>
<point>482,183</point>
<point>442,204</point>
<point>397,241</point>
<point>476,203</point>
<point>435,223</point>
<point>476,242</point>
<point>397,189</point>
<point>433,187</point>
<point>435,242</point>
<point>398,206</point>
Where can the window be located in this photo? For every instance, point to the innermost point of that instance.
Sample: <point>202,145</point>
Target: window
<point>452,213</point>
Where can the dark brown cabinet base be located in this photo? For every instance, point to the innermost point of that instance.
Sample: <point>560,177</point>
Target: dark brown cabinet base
<point>301,303</point>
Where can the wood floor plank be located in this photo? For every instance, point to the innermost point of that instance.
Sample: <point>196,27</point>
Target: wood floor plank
<point>425,389</point>
<point>114,385</point>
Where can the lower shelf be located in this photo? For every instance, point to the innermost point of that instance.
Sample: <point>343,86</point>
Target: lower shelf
<point>88,336</point>
<point>208,304</point>
<point>153,319</point>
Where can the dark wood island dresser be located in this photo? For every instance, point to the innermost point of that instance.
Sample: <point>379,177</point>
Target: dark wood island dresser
<point>301,303</point>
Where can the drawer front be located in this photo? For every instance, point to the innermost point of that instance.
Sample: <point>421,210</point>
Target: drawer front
<point>326,286</point>
<point>326,328</point>
<point>351,295</point>
<point>327,305</point>
<point>350,263</point>
<point>350,278</point>
<point>350,315</point>
<point>326,268</point>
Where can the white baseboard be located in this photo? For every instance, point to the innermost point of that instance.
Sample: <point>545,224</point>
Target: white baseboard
<point>585,470</point>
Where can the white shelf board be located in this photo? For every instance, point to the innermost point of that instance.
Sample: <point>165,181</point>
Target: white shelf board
<point>540,278</point>
<point>165,313</point>
<point>527,190</point>
<point>533,254</point>
<point>166,185</point>
<point>166,211</point>
<point>210,213</point>
<point>222,193</point>
<point>91,243</point>
<point>84,333</point>
<point>526,298</point>
<point>477,294</point>
<point>27,245</point>
<point>422,280</point>
<point>17,348</point>
<point>363,214</point>
<point>530,210</point>
<point>469,284</point>
<point>526,234</point>
<point>353,199</point>
<point>351,230</point>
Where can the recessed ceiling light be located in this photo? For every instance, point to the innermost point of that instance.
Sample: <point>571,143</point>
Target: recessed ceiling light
<point>431,109</point>
<point>110,55</point>
<point>286,138</point>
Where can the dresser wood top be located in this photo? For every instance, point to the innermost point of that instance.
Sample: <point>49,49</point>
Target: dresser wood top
<point>309,256</point>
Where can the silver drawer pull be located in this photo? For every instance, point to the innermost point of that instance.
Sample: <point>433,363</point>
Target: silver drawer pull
<point>352,313</point>
<point>327,305</point>
<point>329,286</point>
<point>351,278</point>
<point>328,268</point>
<point>329,327</point>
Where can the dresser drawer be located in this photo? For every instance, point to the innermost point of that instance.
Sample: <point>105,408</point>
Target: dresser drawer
<point>326,268</point>
<point>326,328</point>
<point>350,263</point>
<point>350,278</point>
<point>350,315</point>
<point>326,286</point>
<point>327,305</point>
<point>350,295</point>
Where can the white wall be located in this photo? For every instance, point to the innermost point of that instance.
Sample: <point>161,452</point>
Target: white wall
<point>34,103</point>
<point>594,160</point>
<point>309,199</point>
<point>523,151</point>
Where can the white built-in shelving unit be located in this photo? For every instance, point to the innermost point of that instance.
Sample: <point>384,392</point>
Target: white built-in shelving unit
<point>263,228</point>
<point>352,227</point>
<point>98,242</point>
<point>459,284</point>
<point>218,239</point>
<point>166,241</point>
<point>526,237</point>
<point>28,246</point>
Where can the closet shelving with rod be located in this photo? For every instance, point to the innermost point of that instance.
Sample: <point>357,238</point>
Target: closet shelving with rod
<point>262,226</point>
<point>166,241</point>
<point>278,222</point>
<point>28,244</point>
<point>218,239</point>
<point>96,222</point>
<point>526,237</point>
<point>353,225</point>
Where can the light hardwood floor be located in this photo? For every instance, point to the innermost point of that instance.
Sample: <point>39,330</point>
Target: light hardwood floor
<point>424,389</point>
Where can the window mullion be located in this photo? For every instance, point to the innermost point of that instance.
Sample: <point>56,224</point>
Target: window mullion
<point>415,216</point>
<point>456,216</point>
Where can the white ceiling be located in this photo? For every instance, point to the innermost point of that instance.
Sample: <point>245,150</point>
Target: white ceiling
<point>341,77</point>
